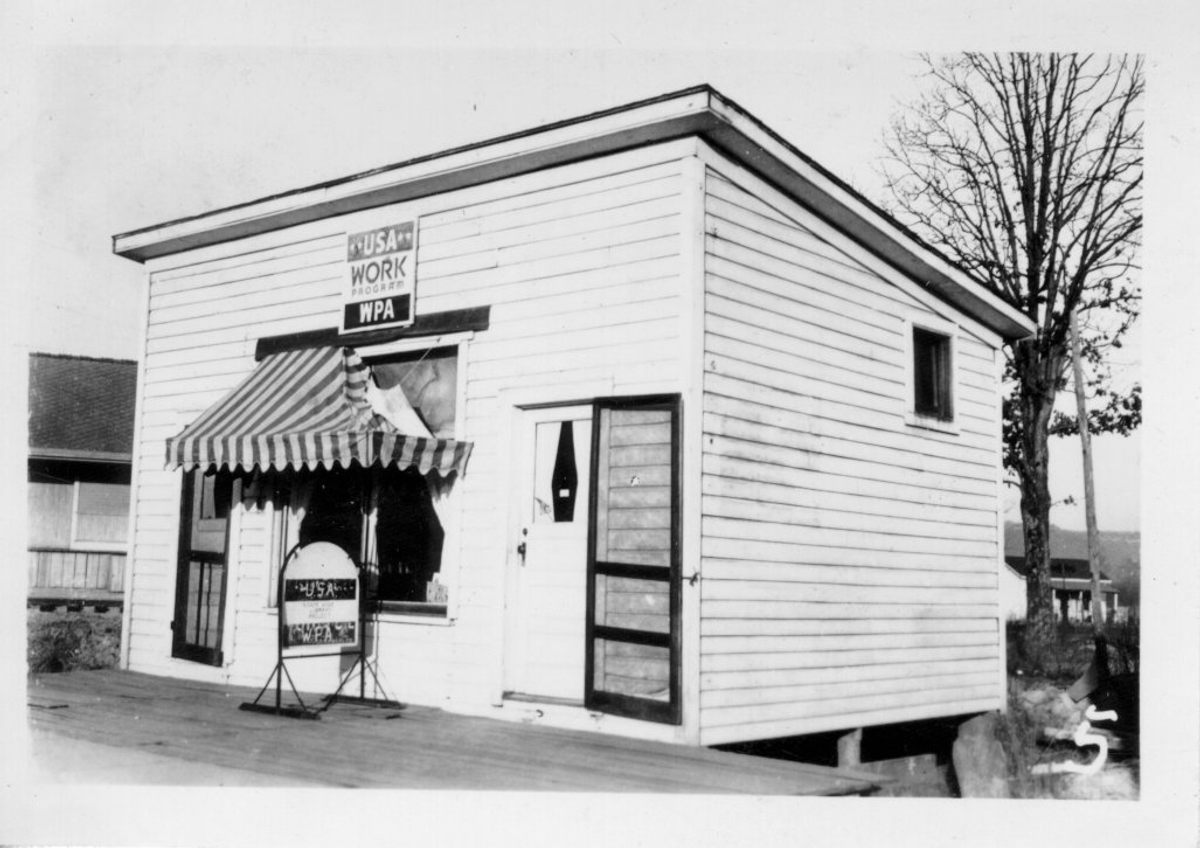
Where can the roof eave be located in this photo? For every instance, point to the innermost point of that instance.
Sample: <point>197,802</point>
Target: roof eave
<point>79,455</point>
<point>699,111</point>
<point>815,187</point>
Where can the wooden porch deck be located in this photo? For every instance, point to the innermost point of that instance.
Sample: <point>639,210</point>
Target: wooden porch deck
<point>408,748</point>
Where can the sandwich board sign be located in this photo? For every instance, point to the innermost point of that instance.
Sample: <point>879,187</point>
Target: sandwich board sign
<point>320,602</point>
<point>320,615</point>
<point>379,288</point>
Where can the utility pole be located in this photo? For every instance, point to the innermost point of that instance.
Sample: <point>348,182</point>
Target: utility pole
<point>1089,492</point>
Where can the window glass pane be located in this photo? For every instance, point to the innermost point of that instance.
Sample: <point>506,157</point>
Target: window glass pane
<point>931,373</point>
<point>624,668</point>
<point>633,515</point>
<point>334,512</point>
<point>102,512</point>
<point>408,538</point>
<point>103,499</point>
<point>50,514</point>
<point>429,381</point>
<point>402,559</point>
<point>633,604</point>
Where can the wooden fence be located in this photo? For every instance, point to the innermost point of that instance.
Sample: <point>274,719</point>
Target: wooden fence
<point>76,575</point>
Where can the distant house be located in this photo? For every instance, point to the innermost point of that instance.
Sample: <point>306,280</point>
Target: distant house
<point>80,442</point>
<point>1071,580</point>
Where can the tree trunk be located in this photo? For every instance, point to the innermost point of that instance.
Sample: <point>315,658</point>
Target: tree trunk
<point>1036,405</point>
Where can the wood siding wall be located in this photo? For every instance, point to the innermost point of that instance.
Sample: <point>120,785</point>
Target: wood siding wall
<point>849,558</point>
<point>580,265</point>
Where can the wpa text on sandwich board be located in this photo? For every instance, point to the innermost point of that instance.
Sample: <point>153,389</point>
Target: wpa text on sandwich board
<point>380,284</point>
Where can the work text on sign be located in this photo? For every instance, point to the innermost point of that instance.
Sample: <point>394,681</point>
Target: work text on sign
<point>380,278</point>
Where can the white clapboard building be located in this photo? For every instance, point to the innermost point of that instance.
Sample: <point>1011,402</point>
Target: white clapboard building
<point>641,422</point>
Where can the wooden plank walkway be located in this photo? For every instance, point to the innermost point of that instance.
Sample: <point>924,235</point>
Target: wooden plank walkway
<point>411,748</point>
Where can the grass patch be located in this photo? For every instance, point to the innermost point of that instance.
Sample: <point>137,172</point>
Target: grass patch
<point>70,641</point>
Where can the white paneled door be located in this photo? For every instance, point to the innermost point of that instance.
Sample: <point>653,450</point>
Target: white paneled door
<point>548,579</point>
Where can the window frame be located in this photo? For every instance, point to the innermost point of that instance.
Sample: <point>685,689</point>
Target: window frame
<point>948,331</point>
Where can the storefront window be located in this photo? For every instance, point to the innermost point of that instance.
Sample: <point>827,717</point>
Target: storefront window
<point>386,519</point>
<point>389,520</point>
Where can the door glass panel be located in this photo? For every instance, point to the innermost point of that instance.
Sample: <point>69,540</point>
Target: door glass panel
<point>559,469</point>
<point>633,604</point>
<point>210,512</point>
<point>625,668</point>
<point>206,588</point>
<point>564,478</point>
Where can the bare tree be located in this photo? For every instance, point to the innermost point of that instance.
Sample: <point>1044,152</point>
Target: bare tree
<point>1026,170</point>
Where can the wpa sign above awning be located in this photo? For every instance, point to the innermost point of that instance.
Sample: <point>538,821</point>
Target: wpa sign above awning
<point>380,284</point>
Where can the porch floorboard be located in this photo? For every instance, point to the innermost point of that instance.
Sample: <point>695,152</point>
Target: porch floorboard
<point>410,748</point>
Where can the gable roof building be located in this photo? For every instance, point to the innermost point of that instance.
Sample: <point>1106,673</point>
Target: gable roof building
<point>80,451</point>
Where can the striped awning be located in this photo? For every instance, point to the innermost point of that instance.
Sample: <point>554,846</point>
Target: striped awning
<point>306,409</point>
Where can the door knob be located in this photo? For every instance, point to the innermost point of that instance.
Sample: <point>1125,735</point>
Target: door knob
<point>521,544</point>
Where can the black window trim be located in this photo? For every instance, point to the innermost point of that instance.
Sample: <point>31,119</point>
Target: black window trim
<point>945,339</point>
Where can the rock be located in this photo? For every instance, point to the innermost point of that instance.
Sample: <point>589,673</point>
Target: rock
<point>1112,783</point>
<point>979,761</point>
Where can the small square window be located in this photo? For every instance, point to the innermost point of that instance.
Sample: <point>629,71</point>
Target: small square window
<point>932,395</point>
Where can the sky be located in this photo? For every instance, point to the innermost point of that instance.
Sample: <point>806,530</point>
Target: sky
<point>119,115</point>
<point>133,135</point>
